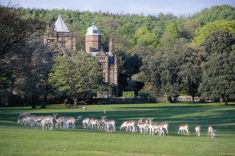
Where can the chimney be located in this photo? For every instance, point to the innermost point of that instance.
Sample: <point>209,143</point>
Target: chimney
<point>111,45</point>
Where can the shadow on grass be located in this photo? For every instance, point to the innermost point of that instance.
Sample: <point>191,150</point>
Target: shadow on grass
<point>221,117</point>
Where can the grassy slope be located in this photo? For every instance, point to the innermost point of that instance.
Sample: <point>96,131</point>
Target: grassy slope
<point>18,140</point>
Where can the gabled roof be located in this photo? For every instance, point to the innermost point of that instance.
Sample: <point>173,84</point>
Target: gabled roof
<point>101,52</point>
<point>60,25</point>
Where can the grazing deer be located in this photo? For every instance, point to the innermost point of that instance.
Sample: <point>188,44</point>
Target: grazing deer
<point>197,130</point>
<point>69,122</point>
<point>142,124</point>
<point>109,125</point>
<point>157,129</point>
<point>164,126</point>
<point>183,130</point>
<point>129,126</point>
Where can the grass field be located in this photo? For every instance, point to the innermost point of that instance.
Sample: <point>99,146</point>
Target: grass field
<point>19,140</point>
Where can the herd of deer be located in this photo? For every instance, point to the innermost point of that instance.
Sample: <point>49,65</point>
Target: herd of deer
<point>144,126</point>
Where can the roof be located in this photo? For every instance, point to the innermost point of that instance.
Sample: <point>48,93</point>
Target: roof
<point>93,30</point>
<point>60,25</point>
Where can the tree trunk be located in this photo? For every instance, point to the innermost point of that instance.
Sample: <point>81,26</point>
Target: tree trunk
<point>225,100</point>
<point>193,99</point>
<point>6,101</point>
<point>33,103</point>
<point>75,102</point>
<point>136,93</point>
<point>43,103</point>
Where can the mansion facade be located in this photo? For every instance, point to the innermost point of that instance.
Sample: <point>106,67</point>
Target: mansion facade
<point>60,35</point>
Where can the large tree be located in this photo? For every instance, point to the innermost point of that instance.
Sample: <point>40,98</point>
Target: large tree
<point>129,65</point>
<point>15,35</point>
<point>170,67</point>
<point>162,70</point>
<point>189,70</point>
<point>36,72</point>
<point>218,77</point>
<point>77,76</point>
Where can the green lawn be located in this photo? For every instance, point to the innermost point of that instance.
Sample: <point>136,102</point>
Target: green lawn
<point>19,140</point>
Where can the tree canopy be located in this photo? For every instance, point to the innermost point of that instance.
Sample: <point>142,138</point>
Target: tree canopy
<point>77,76</point>
<point>218,76</point>
<point>202,32</point>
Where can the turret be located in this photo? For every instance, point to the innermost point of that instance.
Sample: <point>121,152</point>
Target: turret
<point>93,39</point>
<point>60,35</point>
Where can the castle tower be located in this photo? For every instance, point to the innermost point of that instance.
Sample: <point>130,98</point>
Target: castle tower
<point>61,36</point>
<point>107,60</point>
<point>93,39</point>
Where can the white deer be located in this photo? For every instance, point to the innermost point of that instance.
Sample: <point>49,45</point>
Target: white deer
<point>109,125</point>
<point>158,129</point>
<point>183,130</point>
<point>70,122</point>
<point>211,132</point>
<point>86,122</point>
<point>47,123</point>
<point>164,126</point>
<point>198,130</point>
<point>143,126</point>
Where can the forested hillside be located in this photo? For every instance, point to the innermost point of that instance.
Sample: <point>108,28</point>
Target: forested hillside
<point>159,55</point>
<point>153,31</point>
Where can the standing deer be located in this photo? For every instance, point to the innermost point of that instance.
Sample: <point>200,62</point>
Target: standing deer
<point>197,130</point>
<point>183,130</point>
<point>211,132</point>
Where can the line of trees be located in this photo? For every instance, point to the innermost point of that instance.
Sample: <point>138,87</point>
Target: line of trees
<point>207,71</point>
<point>158,55</point>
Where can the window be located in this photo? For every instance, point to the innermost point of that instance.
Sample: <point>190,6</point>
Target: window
<point>103,65</point>
<point>50,40</point>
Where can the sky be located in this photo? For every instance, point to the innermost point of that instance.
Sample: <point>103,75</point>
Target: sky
<point>146,7</point>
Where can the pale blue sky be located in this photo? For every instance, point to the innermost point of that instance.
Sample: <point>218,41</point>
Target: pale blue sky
<point>153,7</point>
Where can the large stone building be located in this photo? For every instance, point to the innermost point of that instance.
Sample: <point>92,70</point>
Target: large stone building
<point>66,40</point>
<point>60,34</point>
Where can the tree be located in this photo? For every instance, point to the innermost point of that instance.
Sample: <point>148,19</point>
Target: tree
<point>173,70</point>
<point>145,37</point>
<point>15,35</point>
<point>36,71</point>
<point>215,13</point>
<point>162,70</point>
<point>202,32</point>
<point>218,76</point>
<point>190,70</point>
<point>15,31</point>
<point>151,74</point>
<point>189,27</point>
<point>170,34</point>
<point>77,76</point>
<point>129,65</point>
<point>169,69</point>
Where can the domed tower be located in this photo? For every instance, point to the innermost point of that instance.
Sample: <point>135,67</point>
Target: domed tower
<point>93,39</point>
